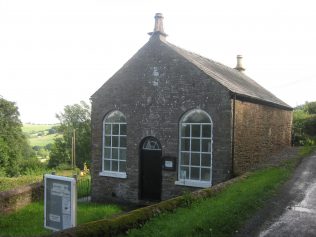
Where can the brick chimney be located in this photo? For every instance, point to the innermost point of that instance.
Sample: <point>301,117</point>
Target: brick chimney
<point>158,29</point>
<point>239,65</point>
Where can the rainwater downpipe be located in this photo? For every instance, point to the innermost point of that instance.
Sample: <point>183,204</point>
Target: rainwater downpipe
<point>233,133</point>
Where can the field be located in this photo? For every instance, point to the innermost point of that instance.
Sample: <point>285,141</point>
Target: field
<point>35,128</point>
<point>42,141</point>
<point>40,134</point>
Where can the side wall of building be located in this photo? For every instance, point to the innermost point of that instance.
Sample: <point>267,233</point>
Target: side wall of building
<point>260,131</point>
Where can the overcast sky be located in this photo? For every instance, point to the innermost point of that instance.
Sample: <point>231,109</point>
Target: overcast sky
<point>56,53</point>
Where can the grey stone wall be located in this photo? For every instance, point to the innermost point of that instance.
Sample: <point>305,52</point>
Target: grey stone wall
<point>153,90</point>
<point>260,131</point>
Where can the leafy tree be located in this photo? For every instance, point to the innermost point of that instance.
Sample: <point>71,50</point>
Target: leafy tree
<point>304,124</point>
<point>76,118</point>
<point>59,153</point>
<point>52,131</point>
<point>13,144</point>
<point>310,107</point>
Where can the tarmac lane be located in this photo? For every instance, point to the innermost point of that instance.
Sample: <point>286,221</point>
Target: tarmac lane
<point>299,218</point>
<point>292,212</point>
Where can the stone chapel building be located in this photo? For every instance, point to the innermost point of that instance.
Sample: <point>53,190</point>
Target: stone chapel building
<point>171,120</point>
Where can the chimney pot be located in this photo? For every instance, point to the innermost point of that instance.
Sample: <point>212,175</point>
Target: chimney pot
<point>158,29</point>
<point>239,65</point>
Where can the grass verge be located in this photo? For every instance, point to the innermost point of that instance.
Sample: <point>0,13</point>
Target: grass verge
<point>225,213</point>
<point>29,221</point>
<point>8,183</point>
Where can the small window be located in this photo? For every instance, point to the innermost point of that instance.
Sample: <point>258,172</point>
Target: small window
<point>114,145</point>
<point>195,149</point>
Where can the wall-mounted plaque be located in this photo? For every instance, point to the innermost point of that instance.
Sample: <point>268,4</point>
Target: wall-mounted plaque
<point>169,163</point>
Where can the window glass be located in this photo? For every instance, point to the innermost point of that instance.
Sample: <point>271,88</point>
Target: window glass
<point>195,159</point>
<point>195,173</point>
<point>107,153</point>
<point>185,130</point>
<point>107,164</point>
<point>206,130</point>
<point>115,129</point>
<point>206,145</point>
<point>196,116</point>
<point>184,172</point>
<point>195,146</point>
<point>122,166</point>
<point>115,154</point>
<point>122,154</point>
<point>196,130</point>
<point>185,158</point>
<point>185,144</point>
<point>115,117</point>
<point>108,129</point>
<point>123,141</point>
<point>205,174</point>
<point>114,165</point>
<point>114,142</point>
<point>206,160</point>
<point>107,141</point>
<point>122,129</point>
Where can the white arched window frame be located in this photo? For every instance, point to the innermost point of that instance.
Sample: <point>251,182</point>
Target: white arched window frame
<point>114,145</point>
<point>195,149</point>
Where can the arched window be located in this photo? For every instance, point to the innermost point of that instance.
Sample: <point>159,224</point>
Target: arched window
<point>195,149</point>
<point>114,145</point>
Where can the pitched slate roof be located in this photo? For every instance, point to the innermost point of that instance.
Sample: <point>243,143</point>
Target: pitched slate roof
<point>235,81</point>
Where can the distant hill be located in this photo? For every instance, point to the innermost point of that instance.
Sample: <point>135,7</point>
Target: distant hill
<point>40,134</point>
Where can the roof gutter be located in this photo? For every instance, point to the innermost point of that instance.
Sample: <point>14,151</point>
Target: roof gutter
<point>260,101</point>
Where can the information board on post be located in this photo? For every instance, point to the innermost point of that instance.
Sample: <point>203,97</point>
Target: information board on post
<point>60,202</point>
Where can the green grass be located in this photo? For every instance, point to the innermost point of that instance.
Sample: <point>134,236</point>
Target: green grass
<point>225,213</point>
<point>29,221</point>
<point>43,140</point>
<point>11,183</point>
<point>32,130</point>
<point>7,183</point>
<point>35,128</point>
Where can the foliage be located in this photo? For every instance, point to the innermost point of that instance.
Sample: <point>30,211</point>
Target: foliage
<point>59,153</point>
<point>304,124</point>
<point>76,118</point>
<point>310,107</point>
<point>32,166</point>
<point>29,221</point>
<point>7,183</point>
<point>14,146</point>
<point>42,141</point>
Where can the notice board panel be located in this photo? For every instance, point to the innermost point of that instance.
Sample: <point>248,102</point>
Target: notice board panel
<point>60,202</point>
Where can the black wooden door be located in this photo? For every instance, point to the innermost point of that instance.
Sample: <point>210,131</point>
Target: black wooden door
<point>150,180</point>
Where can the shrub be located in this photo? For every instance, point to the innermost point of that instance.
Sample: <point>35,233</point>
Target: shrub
<point>31,166</point>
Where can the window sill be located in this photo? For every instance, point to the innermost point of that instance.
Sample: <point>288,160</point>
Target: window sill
<point>194,183</point>
<point>121,175</point>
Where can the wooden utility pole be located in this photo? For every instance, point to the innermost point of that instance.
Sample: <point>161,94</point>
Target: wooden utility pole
<point>73,149</point>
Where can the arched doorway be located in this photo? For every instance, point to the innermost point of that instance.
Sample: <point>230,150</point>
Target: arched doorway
<point>150,169</point>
